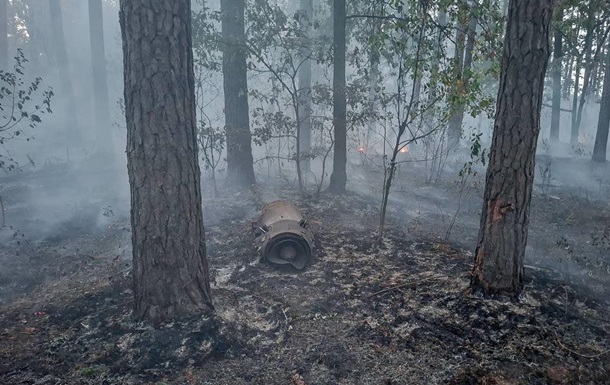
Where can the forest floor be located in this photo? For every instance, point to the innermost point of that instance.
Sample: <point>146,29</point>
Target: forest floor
<point>397,313</point>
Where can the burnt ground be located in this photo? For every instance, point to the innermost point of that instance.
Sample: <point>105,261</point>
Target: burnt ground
<point>397,313</point>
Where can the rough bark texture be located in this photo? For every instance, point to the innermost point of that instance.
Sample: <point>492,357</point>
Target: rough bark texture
<point>100,81</point>
<point>603,124</point>
<point>498,265</point>
<point>338,178</point>
<point>169,256</point>
<point>305,90</point>
<point>557,61</point>
<point>3,34</point>
<point>65,78</point>
<point>240,164</point>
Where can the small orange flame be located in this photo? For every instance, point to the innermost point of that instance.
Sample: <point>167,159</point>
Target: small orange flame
<point>404,150</point>
<point>361,149</point>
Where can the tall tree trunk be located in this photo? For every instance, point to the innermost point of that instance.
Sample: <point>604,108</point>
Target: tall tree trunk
<point>457,119</point>
<point>576,91</point>
<point>171,277</point>
<point>65,78</point>
<point>305,90</point>
<point>40,42</point>
<point>577,107</point>
<point>454,129</point>
<point>100,82</point>
<point>441,21</point>
<point>556,73</point>
<point>240,164</point>
<point>3,34</point>
<point>588,86</point>
<point>567,77</point>
<point>338,178</point>
<point>373,80</point>
<point>603,124</point>
<point>498,264</point>
<point>374,77</point>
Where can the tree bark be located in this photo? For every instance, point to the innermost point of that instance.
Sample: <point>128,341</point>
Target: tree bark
<point>567,77</point>
<point>305,90</point>
<point>577,107</point>
<point>603,124</point>
<point>40,42</point>
<point>3,35</point>
<point>576,90</point>
<point>100,81</point>
<point>498,264</point>
<point>338,179</point>
<point>457,119</point>
<point>171,277</point>
<point>240,163</point>
<point>557,61</point>
<point>65,78</point>
<point>454,129</point>
<point>441,21</point>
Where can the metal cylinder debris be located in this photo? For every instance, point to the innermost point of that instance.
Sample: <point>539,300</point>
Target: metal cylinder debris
<point>282,235</point>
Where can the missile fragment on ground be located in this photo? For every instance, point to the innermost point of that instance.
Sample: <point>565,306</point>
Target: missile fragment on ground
<point>282,235</point>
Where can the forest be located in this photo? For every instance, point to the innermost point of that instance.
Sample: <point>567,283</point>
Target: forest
<point>311,192</point>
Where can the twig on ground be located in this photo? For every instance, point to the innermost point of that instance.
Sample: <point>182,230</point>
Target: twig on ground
<point>564,347</point>
<point>3,221</point>
<point>403,285</point>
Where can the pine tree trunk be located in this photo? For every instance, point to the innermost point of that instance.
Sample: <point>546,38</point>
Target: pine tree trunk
<point>240,164</point>
<point>603,124</point>
<point>567,77</point>
<point>454,129</point>
<point>169,255</point>
<point>305,91</point>
<point>557,61</point>
<point>441,21</point>
<point>3,34</point>
<point>338,178</point>
<point>40,42</point>
<point>457,119</point>
<point>65,77</point>
<point>498,265</point>
<point>578,106</point>
<point>374,77</point>
<point>100,81</point>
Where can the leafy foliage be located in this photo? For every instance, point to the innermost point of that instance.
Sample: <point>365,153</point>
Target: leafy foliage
<point>19,107</point>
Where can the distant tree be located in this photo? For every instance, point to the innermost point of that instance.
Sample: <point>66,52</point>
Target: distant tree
<point>595,36</point>
<point>3,34</point>
<point>338,178</point>
<point>240,163</point>
<point>65,76</point>
<point>454,129</point>
<point>306,18</point>
<point>100,82</point>
<point>170,270</point>
<point>556,74</point>
<point>498,264</point>
<point>603,124</point>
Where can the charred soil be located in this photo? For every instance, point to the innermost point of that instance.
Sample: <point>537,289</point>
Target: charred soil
<point>362,313</point>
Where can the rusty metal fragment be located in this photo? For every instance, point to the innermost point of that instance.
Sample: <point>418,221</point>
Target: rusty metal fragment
<point>282,235</point>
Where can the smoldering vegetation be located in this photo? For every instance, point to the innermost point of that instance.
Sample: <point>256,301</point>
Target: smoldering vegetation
<point>362,313</point>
